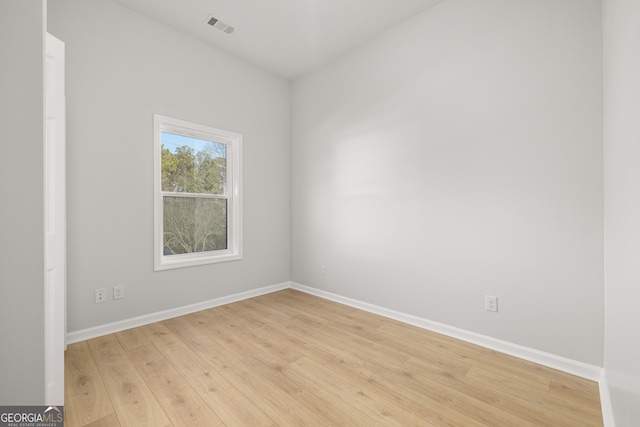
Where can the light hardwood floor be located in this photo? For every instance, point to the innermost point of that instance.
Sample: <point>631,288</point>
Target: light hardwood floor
<point>293,359</point>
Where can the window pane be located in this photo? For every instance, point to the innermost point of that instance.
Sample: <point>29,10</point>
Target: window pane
<point>193,165</point>
<point>194,224</point>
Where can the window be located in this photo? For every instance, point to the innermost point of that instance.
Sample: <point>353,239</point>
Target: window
<point>198,207</point>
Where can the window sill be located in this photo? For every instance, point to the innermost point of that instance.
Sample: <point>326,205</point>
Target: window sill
<point>180,261</point>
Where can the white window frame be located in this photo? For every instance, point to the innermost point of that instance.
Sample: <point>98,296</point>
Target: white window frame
<point>233,194</point>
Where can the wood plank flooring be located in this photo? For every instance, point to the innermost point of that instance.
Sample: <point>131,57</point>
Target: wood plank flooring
<point>292,359</point>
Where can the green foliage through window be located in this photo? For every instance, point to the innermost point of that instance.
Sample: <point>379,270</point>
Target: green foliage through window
<point>197,223</point>
<point>197,194</point>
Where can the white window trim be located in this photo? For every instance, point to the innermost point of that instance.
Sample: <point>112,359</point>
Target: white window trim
<point>234,188</point>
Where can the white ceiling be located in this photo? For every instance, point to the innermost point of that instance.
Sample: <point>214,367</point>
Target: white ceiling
<point>288,37</point>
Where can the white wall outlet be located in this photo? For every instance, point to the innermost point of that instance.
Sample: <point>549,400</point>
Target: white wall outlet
<point>118,292</point>
<point>491,303</point>
<point>323,270</point>
<point>100,295</point>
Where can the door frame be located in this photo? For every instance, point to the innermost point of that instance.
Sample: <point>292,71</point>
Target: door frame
<point>55,221</point>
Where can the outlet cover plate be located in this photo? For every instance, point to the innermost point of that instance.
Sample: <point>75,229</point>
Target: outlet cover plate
<point>118,292</point>
<point>100,295</point>
<point>491,303</point>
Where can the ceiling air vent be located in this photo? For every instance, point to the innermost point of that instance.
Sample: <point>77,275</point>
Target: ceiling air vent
<point>220,25</point>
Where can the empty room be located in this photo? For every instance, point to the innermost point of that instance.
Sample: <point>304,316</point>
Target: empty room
<point>302,212</point>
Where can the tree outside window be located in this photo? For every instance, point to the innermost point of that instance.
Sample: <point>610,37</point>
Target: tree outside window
<point>198,191</point>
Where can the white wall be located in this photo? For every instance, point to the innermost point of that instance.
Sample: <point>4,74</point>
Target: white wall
<point>458,155</point>
<point>622,207</point>
<point>121,69</point>
<point>22,203</point>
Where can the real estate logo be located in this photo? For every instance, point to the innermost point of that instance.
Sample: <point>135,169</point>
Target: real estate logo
<point>31,416</point>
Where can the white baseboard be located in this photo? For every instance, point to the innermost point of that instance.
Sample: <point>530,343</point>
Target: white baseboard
<point>584,370</point>
<point>605,401</point>
<point>123,325</point>
<point>574,367</point>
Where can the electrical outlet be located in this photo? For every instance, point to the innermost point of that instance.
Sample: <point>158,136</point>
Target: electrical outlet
<point>323,270</point>
<point>100,295</point>
<point>491,303</point>
<point>118,292</point>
